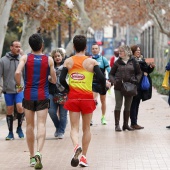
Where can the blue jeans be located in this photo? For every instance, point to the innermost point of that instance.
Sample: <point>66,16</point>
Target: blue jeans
<point>61,120</point>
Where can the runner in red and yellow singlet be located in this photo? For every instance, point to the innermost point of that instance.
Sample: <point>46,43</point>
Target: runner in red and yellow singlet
<point>80,69</point>
<point>80,96</point>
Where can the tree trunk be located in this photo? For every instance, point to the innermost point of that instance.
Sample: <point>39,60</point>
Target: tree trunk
<point>54,36</point>
<point>84,24</point>
<point>2,5</point>
<point>157,18</point>
<point>4,17</point>
<point>29,27</point>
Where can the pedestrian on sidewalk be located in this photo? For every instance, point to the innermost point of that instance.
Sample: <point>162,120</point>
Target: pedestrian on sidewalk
<point>127,70</point>
<point>142,94</point>
<point>168,69</point>
<point>115,57</point>
<point>37,68</point>
<point>8,65</point>
<point>104,65</point>
<point>80,69</point>
<point>57,97</point>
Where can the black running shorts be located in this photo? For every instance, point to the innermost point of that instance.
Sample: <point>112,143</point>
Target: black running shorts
<point>36,105</point>
<point>96,87</point>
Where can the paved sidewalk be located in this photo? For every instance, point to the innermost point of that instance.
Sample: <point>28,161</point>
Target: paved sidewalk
<point>147,149</point>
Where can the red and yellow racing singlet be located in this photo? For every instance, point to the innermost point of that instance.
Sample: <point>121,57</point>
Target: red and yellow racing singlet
<point>80,80</point>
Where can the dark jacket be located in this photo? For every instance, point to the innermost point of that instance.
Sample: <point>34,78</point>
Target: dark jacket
<point>145,94</point>
<point>168,66</point>
<point>129,72</point>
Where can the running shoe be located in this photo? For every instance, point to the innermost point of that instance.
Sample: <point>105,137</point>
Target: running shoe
<point>77,152</point>
<point>60,136</point>
<point>10,136</point>
<point>168,127</point>
<point>96,102</point>
<point>56,134</point>
<point>20,132</point>
<point>103,121</point>
<point>83,161</point>
<point>32,161</point>
<point>91,123</point>
<point>109,91</point>
<point>38,158</point>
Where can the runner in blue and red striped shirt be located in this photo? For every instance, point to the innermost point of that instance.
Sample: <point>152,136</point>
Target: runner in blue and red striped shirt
<point>36,77</point>
<point>39,69</point>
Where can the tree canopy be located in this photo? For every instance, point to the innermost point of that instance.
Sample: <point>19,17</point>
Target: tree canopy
<point>132,12</point>
<point>101,12</point>
<point>94,13</point>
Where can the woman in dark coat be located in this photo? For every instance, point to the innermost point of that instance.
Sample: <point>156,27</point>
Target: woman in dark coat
<point>142,94</point>
<point>128,70</point>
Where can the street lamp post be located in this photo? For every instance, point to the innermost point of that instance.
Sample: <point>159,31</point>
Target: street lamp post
<point>59,35</point>
<point>70,5</point>
<point>69,29</point>
<point>59,26</point>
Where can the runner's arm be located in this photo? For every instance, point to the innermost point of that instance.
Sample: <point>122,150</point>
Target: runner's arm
<point>107,67</point>
<point>52,77</point>
<point>63,81</point>
<point>18,72</point>
<point>100,77</point>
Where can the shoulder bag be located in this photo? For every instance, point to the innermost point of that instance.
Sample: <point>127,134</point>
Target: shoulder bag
<point>145,85</point>
<point>128,89</point>
<point>60,98</point>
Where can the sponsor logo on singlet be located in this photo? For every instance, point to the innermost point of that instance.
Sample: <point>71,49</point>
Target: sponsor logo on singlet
<point>37,58</point>
<point>77,76</point>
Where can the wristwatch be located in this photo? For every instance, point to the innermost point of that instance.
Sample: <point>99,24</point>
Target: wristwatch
<point>19,86</point>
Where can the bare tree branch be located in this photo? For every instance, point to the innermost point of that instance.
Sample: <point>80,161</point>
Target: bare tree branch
<point>157,20</point>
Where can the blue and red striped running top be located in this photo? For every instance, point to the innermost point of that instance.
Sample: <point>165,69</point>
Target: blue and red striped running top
<point>36,77</point>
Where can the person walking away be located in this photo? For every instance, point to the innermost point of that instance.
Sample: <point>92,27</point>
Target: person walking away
<point>127,70</point>
<point>80,69</point>
<point>142,94</point>
<point>57,97</point>
<point>168,69</point>
<point>115,57</point>
<point>8,65</point>
<point>103,64</point>
<point>37,67</point>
